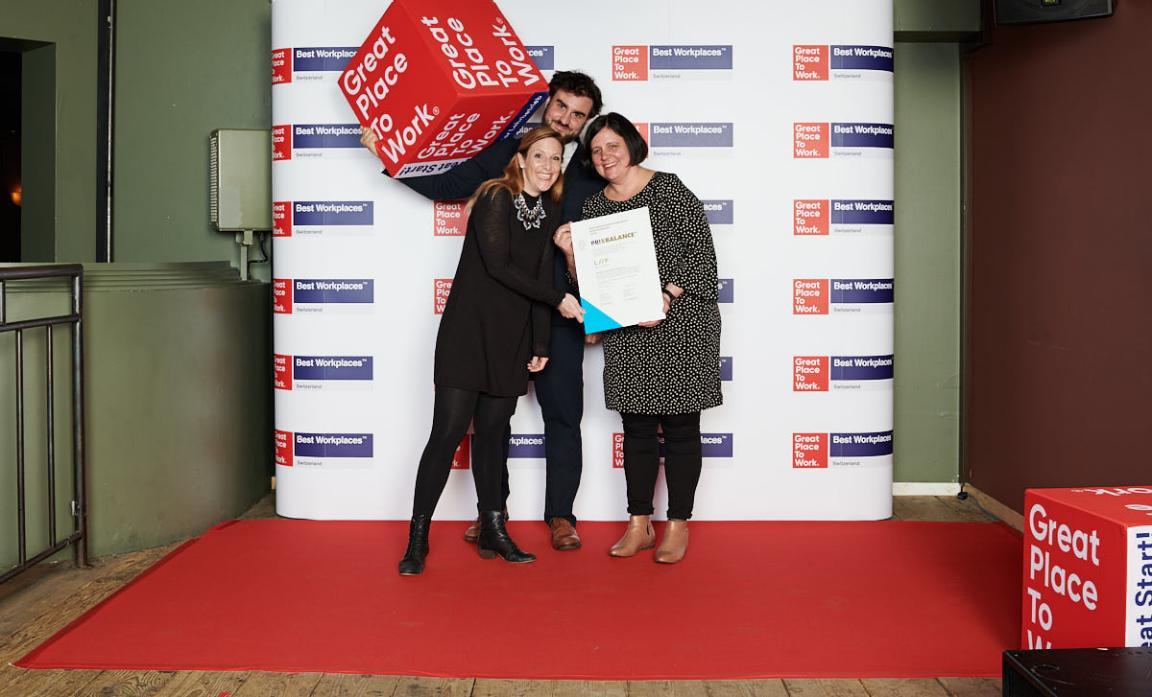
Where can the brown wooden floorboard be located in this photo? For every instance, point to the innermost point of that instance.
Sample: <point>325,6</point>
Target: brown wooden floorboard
<point>39,603</point>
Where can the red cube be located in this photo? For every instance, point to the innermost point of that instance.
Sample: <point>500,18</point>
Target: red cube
<point>1087,567</point>
<point>438,81</point>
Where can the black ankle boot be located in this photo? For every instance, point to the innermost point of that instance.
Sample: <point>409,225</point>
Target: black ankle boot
<point>413,561</point>
<point>494,540</point>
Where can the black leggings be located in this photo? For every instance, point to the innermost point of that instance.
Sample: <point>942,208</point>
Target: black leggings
<point>682,461</point>
<point>454,410</point>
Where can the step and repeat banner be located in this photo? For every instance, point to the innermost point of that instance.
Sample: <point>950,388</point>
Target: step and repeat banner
<point>777,115</point>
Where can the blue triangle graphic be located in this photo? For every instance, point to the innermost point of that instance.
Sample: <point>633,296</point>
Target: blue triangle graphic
<point>595,320</point>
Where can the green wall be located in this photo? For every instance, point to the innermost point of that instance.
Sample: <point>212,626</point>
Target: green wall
<point>178,404</point>
<point>936,20</point>
<point>59,40</point>
<point>183,69</point>
<point>928,218</point>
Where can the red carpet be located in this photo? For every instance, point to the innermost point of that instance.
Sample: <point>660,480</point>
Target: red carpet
<point>764,599</point>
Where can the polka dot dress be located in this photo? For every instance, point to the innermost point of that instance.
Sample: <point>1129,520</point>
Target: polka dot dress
<point>674,367</point>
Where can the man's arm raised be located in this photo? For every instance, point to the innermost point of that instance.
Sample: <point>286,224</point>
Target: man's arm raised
<point>463,179</point>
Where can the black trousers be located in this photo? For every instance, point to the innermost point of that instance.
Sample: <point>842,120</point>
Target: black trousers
<point>560,392</point>
<point>453,411</point>
<point>682,461</point>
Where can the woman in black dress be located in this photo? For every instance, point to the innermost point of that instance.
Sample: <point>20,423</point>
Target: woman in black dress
<point>658,375</point>
<point>493,333</point>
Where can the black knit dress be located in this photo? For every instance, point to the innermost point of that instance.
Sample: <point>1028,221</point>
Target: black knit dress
<point>499,312</point>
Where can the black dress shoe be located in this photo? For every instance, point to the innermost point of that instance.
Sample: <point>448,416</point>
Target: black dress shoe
<point>413,562</point>
<point>494,540</point>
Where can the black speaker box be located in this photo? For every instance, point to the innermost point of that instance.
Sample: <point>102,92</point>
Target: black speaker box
<point>1033,11</point>
<point>1078,673</point>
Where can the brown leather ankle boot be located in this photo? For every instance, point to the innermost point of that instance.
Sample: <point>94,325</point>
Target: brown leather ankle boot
<point>638,536</point>
<point>674,545</point>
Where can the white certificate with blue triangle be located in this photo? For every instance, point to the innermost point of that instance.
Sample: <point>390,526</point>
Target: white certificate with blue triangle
<point>616,269</point>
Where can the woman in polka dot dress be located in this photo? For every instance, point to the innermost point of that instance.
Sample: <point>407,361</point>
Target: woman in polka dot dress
<point>658,374</point>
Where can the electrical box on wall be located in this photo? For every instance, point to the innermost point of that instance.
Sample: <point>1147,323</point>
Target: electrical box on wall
<point>241,179</point>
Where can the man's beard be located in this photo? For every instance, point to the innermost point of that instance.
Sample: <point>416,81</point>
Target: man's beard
<point>566,136</point>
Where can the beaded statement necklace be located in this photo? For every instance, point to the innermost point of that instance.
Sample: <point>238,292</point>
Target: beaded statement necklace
<point>529,217</point>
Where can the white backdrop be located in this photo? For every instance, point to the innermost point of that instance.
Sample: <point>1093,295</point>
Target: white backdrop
<point>777,115</point>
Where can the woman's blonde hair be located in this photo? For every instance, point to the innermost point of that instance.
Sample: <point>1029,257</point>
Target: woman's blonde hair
<point>513,180</point>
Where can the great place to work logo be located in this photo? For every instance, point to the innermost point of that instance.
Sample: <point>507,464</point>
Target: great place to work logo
<point>321,218</point>
<point>640,62</point>
<point>817,62</point>
<point>822,139</point>
<point>316,140</point>
<point>818,373</point>
<point>449,218</point>
<point>819,296</point>
<point>313,63</point>
<point>321,372</point>
<point>717,445</point>
<point>441,289</point>
<point>328,450</point>
<point>815,216</point>
<point>824,450</point>
<point>294,295</point>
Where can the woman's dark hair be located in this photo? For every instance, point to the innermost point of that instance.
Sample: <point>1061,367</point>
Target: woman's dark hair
<point>621,126</point>
<point>578,84</point>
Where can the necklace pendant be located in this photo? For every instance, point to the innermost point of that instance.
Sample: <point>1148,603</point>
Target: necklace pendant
<point>529,218</point>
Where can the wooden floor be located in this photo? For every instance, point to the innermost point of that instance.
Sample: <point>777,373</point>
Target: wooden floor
<point>38,603</point>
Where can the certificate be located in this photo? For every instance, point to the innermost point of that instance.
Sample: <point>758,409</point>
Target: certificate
<point>616,267</point>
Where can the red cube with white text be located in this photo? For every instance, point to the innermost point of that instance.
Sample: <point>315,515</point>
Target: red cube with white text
<point>438,81</point>
<point>1087,567</point>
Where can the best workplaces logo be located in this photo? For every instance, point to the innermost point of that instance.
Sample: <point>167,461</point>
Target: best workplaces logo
<point>726,290</point>
<point>640,62</point>
<point>316,140</point>
<point>543,56</point>
<point>320,217</point>
<point>816,373</point>
<point>841,216</point>
<point>295,449</point>
<point>312,372</point>
<point>711,445</point>
<point>526,445</point>
<point>689,134</point>
<point>819,296</point>
<point>818,62</point>
<point>821,450</point>
<point>719,211</point>
<point>319,295</point>
<point>316,63</point>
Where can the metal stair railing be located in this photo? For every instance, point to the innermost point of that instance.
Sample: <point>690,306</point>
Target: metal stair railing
<point>78,537</point>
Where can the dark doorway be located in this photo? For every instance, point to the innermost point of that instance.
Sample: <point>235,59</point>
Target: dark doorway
<point>11,191</point>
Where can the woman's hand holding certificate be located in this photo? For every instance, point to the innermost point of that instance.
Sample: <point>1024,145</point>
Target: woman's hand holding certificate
<point>616,264</point>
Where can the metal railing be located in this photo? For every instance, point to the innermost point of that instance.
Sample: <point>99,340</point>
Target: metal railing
<point>78,538</point>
